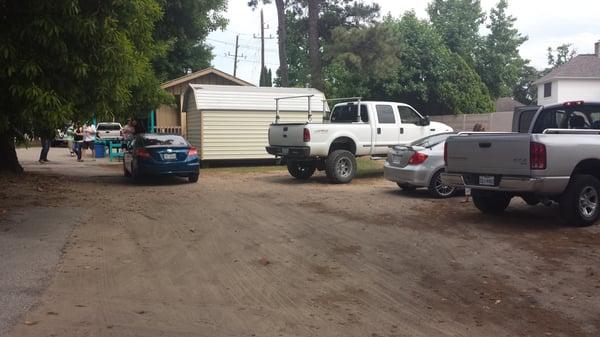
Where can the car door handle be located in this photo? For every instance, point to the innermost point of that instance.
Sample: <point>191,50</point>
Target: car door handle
<point>485,145</point>
<point>378,131</point>
<point>401,131</point>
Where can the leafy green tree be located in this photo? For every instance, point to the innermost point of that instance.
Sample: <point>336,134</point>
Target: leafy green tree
<point>500,64</point>
<point>563,54</point>
<point>70,60</point>
<point>525,91</point>
<point>182,31</point>
<point>458,22</point>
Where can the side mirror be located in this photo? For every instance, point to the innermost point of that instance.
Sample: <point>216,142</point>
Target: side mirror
<point>425,121</point>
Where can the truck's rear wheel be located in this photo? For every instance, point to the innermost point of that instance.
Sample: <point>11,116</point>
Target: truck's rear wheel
<point>490,202</point>
<point>301,169</point>
<point>340,166</point>
<point>580,203</point>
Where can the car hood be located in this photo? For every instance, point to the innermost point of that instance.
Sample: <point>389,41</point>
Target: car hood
<point>438,127</point>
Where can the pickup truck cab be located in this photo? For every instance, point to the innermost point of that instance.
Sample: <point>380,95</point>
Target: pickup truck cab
<point>346,133</point>
<point>557,160</point>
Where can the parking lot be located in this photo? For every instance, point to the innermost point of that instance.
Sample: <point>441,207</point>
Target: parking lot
<point>252,252</point>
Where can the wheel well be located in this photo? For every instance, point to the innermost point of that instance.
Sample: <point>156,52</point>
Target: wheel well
<point>588,166</point>
<point>343,143</point>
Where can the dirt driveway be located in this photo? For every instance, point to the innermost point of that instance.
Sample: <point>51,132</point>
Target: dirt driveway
<point>243,254</point>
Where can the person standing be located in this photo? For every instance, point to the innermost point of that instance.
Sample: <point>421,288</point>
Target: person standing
<point>89,136</point>
<point>69,137</point>
<point>78,141</point>
<point>47,134</point>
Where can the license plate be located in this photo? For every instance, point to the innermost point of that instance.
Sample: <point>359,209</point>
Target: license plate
<point>285,151</point>
<point>170,156</point>
<point>486,180</point>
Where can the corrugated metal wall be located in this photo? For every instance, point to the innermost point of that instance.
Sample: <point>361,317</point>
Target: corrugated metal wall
<point>240,134</point>
<point>193,125</point>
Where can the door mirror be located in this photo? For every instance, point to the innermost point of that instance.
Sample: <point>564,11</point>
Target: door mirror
<point>425,121</point>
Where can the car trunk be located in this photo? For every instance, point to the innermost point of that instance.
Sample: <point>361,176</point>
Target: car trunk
<point>400,156</point>
<point>287,134</point>
<point>168,154</point>
<point>497,154</point>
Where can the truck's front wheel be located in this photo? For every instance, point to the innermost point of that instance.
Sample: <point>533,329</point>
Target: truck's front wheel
<point>490,202</point>
<point>580,203</point>
<point>301,169</point>
<point>340,166</point>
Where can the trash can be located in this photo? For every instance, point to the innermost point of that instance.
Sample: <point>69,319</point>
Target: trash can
<point>99,149</point>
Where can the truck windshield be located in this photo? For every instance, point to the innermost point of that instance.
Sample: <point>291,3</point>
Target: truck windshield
<point>581,117</point>
<point>346,113</point>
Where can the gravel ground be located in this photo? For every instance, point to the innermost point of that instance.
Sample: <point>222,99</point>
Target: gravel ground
<point>260,254</point>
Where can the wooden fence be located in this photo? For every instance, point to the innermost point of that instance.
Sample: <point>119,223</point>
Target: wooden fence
<point>495,121</point>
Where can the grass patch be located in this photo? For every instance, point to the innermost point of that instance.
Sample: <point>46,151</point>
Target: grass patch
<point>368,168</point>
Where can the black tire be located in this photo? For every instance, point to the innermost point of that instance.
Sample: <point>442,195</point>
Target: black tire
<point>341,166</point>
<point>126,173</point>
<point>490,202</point>
<point>193,178</point>
<point>301,169</point>
<point>406,187</point>
<point>439,190</point>
<point>530,200</point>
<point>580,203</point>
<point>137,178</point>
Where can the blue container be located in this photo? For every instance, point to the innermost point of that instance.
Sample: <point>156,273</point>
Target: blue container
<point>99,149</point>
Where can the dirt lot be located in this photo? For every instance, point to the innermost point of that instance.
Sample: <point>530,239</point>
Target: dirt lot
<point>259,254</point>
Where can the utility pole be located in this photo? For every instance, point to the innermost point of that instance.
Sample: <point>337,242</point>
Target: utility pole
<point>262,41</point>
<point>237,40</point>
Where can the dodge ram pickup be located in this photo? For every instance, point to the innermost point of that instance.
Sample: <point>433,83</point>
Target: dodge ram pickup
<point>556,160</point>
<point>345,134</point>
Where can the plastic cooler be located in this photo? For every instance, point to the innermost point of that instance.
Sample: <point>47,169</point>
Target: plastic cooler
<point>100,150</point>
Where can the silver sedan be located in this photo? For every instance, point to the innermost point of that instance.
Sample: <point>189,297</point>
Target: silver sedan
<point>420,165</point>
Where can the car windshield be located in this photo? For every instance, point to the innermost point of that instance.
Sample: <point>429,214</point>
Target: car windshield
<point>431,141</point>
<point>579,117</point>
<point>108,127</point>
<point>164,140</point>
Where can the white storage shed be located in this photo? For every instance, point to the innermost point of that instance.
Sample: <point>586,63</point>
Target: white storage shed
<point>232,122</point>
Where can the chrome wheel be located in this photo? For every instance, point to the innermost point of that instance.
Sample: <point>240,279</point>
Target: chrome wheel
<point>588,202</point>
<point>441,189</point>
<point>344,167</point>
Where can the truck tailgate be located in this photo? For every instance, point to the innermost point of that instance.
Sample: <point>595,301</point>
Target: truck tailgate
<point>501,154</point>
<point>291,134</point>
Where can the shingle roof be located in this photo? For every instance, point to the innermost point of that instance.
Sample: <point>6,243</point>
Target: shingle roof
<point>507,104</point>
<point>585,66</point>
<point>204,72</point>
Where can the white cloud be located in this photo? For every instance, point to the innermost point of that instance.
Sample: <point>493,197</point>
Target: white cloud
<point>546,23</point>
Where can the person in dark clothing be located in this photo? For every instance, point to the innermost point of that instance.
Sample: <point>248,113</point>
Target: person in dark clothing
<point>46,135</point>
<point>78,141</point>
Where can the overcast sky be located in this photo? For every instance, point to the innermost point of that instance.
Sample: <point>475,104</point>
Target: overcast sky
<point>545,22</point>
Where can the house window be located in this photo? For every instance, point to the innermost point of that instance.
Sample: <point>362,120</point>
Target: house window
<point>548,89</point>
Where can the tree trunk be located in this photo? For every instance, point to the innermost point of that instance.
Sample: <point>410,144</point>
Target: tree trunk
<point>314,51</point>
<point>8,155</point>
<point>282,43</point>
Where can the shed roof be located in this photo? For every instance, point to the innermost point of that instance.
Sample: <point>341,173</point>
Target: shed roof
<point>585,66</point>
<point>225,97</point>
<point>201,73</point>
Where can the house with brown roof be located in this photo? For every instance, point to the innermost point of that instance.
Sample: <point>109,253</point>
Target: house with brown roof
<point>171,118</point>
<point>578,79</point>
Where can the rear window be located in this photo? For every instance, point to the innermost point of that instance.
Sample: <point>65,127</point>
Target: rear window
<point>431,141</point>
<point>581,117</point>
<point>347,114</point>
<point>164,140</point>
<point>108,127</point>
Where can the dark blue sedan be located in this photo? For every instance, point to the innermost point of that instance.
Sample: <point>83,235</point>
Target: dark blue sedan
<point>152,154</point>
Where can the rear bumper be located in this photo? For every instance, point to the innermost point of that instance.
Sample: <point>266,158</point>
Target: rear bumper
<point>538,185</point>
<point>289,151</point>
<point>413,175</point>
<point>182,169</point>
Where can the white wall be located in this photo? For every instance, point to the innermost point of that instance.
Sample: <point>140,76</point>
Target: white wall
<point>548,100</point>
<point>574,90</point>
<point>570,90</point>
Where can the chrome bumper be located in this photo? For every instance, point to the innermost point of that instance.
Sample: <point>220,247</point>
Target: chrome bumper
<point>546,185</point>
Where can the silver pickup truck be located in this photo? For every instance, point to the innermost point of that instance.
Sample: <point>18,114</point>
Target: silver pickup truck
<point>556,160</point>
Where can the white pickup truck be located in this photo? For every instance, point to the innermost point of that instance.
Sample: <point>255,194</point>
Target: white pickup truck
<point>345,134</point>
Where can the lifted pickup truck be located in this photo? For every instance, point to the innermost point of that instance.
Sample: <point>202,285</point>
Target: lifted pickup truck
<point>557,160</point>
<point>345,134</point>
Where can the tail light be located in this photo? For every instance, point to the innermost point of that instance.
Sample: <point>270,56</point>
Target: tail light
<point>142,153</point>
<point>417,158</point>
<point>445,153</point>
<point>537,156</point>
<point>573,104</point>
<point>193,152</point>
<point>306,135</point>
